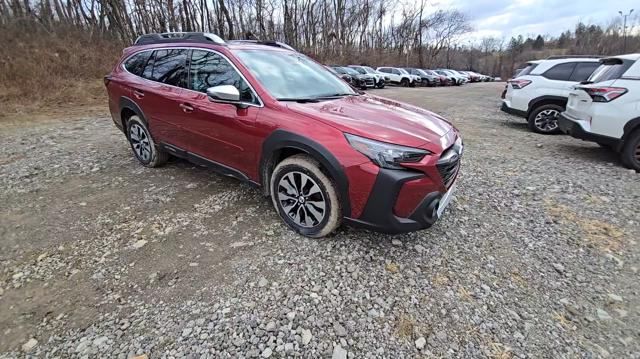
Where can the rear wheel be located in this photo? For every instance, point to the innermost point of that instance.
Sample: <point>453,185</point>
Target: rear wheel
<point>304,197</point>
<point>631,151</point>
<point>143,146</point>
<point>544,119</point>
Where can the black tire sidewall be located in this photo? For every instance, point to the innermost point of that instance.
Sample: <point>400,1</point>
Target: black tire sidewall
<point>628,151</point>
<point>329,206</point>
<point>154,152</point>
<point>532,118</point>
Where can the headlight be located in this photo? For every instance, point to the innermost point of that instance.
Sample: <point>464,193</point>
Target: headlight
<point>384,154</point>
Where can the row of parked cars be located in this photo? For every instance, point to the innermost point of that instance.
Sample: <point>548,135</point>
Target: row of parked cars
<point>590,98</point>
<point>364,77</point>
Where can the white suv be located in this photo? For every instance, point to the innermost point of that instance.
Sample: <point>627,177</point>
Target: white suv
<point>541,90</point>
<point>606,109</point>
<point>400,76</point>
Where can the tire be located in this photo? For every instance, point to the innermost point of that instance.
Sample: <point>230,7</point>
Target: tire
<point>404,82</point>
<point>630,154</point>
<point>304,213</point>
<point>380,85</point>
<point>544,119</point>
<point>142,144</point>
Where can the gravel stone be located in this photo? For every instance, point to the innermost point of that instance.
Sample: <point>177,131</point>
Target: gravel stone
<point>535,257</point>
<point>29,345</point>
<point>339,353</point>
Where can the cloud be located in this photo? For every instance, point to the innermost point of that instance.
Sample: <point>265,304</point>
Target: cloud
<point>506,18</point>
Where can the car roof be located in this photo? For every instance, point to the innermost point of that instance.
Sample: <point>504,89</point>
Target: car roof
<point>623,57</point>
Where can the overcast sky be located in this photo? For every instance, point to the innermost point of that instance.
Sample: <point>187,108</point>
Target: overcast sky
<point>506,18</point>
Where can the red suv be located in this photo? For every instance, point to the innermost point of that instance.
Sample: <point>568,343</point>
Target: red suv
<point>268,115</point>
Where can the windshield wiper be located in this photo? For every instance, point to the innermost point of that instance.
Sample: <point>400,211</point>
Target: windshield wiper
<point>342,94</point>
<point>300,99</point>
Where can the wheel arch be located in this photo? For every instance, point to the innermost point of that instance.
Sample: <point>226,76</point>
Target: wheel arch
<point>546,100</point>
<point>282,144</point>
<point>630,127</point>
<point>127,108</point>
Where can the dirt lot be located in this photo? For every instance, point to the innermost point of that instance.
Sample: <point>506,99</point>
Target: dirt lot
<point>100,257</point>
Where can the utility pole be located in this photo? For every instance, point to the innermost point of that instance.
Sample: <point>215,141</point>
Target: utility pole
<point>624,29</point>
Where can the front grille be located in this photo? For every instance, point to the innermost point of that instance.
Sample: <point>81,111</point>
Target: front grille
<point>369,82</point>
<point>449,164</point>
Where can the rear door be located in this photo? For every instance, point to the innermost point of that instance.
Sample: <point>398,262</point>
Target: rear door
<point>160,91</point>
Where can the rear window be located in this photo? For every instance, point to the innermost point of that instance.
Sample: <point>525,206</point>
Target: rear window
<point>583,71</point>
<point>610,70</point>
<point>560,72</point>
<point>136,63</point>
<point>527,70</point>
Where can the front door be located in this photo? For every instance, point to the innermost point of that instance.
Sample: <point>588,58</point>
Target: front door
<point>221,132</point>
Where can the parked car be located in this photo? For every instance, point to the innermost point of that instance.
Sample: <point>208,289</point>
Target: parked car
<point>358,80</point>
<point>541,90</point>
<point>425,78</point>
<point>456,80</point>
<point>606,108</point>
<point>399,76</point>
<point>380,79</point>
<point>345,76</point>
<point>443,80</point>
<point>276,119</point>
<point>466,78</point>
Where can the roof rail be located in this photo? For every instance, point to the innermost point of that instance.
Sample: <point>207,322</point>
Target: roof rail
<point>264,42</point>
<point>558,57</point>
<point>168,37</point>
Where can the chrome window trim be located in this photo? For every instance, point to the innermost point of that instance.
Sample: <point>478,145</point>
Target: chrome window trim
<point>261,104</point>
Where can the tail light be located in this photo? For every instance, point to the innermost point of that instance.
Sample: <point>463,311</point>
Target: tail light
<point>518,84</point>
<point>604,94</point>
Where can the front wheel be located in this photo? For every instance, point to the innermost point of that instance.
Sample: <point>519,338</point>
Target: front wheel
<point>380,85</point>
<point>404,82</point>
<point>631,151</point>
<point>544,119</point>
<point>304,197</point>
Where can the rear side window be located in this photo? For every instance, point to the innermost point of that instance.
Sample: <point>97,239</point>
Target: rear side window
<point>560,72</point>
<point>384,69</point>
<point>136,63</point>
<point>583,71</point>
<point>610,71</point>
<point>209,69</point>
<point>169,67</point>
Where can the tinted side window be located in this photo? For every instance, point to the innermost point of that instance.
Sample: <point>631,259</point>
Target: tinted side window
<point>560,72</point>
<point>385,70</point>
<point>169,67</point>
<point>583,71</point>
<point>396,71</point>
<point>137,62</point>
<point>209,69</point>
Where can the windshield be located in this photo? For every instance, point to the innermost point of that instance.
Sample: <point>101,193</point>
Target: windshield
<point>403,71</point>
<point>359,69</point>
<point>369,69</point>
<point>610,71</point>
<point>291,75</point>
<point>420,72</point>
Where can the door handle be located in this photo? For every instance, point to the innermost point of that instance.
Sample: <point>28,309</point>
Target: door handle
<point>138,94</point>
<point>186,108</point>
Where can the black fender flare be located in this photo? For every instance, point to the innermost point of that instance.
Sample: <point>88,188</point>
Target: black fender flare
<point>630,126</point>
<point>546,98</point>
<point>127,103</point>
<point>282,139</point>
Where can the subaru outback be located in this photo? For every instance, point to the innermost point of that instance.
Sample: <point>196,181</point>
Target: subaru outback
<point>272,117</point>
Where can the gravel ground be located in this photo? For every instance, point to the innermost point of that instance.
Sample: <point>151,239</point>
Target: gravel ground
<point>537,255</point>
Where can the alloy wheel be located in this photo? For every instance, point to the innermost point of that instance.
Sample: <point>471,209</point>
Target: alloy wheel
<point>547,120</point>
<point>140,142</point>
<point>301,199</point>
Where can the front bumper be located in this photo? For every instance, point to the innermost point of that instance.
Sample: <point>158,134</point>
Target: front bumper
<point>573,128</point>
<point>378,213</point>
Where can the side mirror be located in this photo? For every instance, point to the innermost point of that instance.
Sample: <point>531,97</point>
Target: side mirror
<point>223,93</point>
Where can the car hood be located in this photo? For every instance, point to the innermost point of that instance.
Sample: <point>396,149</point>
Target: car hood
<point>383,120</point>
